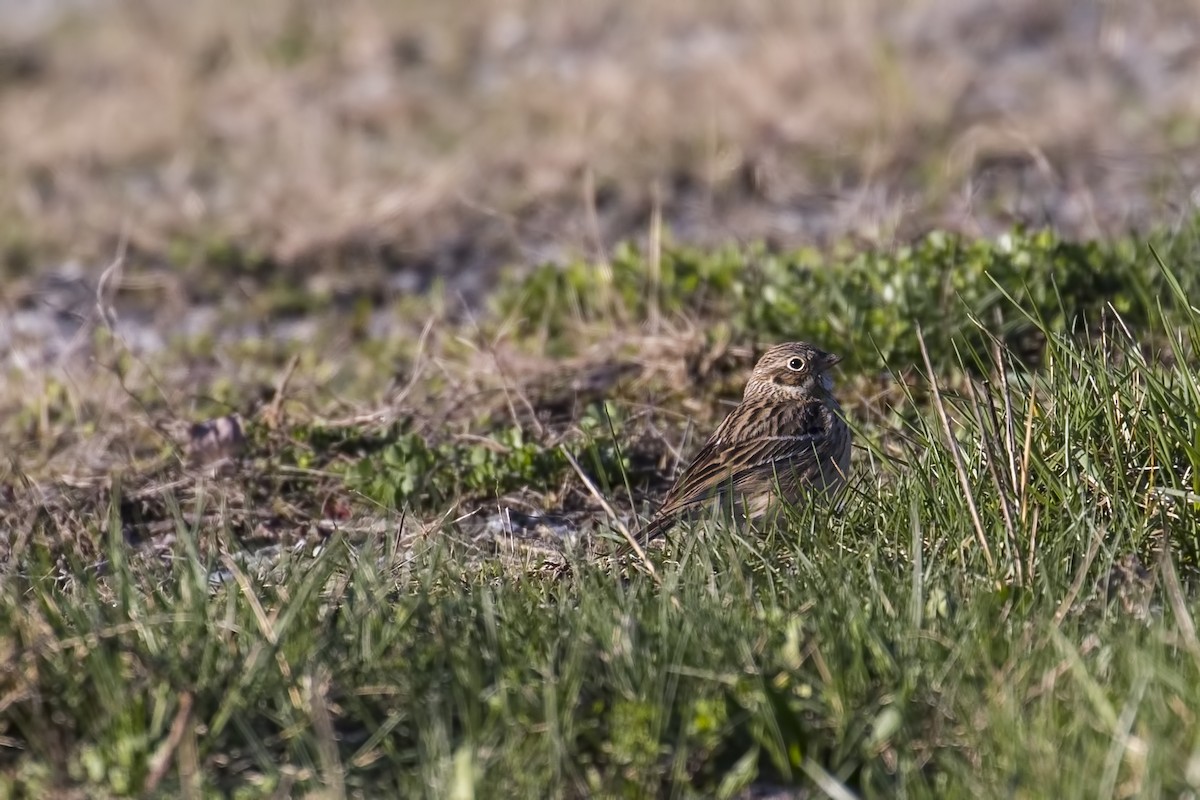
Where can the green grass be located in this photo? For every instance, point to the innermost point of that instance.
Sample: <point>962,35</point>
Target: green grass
<point>949,634</point>
<point>868,302</point>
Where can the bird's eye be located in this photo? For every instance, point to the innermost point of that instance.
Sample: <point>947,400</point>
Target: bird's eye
<point>796,364</point>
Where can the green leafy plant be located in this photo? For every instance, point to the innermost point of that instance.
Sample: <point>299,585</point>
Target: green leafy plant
<point>412,472</point>
<point>869,303</point>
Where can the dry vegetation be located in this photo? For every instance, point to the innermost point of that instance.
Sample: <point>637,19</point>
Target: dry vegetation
<point>444,139</point>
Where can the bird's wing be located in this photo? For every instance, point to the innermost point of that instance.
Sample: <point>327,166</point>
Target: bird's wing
<point>737,453</point>
<point>763,457</point>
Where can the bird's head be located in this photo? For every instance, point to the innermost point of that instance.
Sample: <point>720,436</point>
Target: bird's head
<point>792,371</point>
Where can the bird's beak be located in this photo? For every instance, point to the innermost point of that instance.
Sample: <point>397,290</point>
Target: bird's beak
<point>830,360</point>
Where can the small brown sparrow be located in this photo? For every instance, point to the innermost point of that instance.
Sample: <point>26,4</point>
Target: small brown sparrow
<point>786,440</point>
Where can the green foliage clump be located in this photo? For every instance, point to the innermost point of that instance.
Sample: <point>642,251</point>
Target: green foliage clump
<point>943,286</point>
<point>410,471</point>
<point>860,302</point>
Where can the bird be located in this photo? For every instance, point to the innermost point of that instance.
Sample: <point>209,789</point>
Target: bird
<point>787,439</point>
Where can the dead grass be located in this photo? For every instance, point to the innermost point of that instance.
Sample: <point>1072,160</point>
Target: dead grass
<point>445,139</point>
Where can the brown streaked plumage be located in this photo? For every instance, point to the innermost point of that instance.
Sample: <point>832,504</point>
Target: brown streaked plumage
<point>786,439</point>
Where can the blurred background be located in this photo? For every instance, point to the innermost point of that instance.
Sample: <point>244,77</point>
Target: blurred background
<point>365,149</point>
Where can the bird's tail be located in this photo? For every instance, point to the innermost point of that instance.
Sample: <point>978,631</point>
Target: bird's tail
<point>654,528</point>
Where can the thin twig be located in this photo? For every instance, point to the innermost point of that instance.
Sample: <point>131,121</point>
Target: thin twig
<point>1080,576</point>
<point>991,445</point>
<point>272,413</point>
<point>1010,443</point>
<point>161,759</point>
<point>612,515</point>
<point>1033,543</point>
<point>507,386</point>
<point>654,261</point>
<point>959,466</point>
<point>1183,619</point>
<point>422,342</point>
<point>1026,451</point>
<point>332,770</point>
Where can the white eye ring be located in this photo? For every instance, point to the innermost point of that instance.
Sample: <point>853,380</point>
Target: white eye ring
<point>795,364</point>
